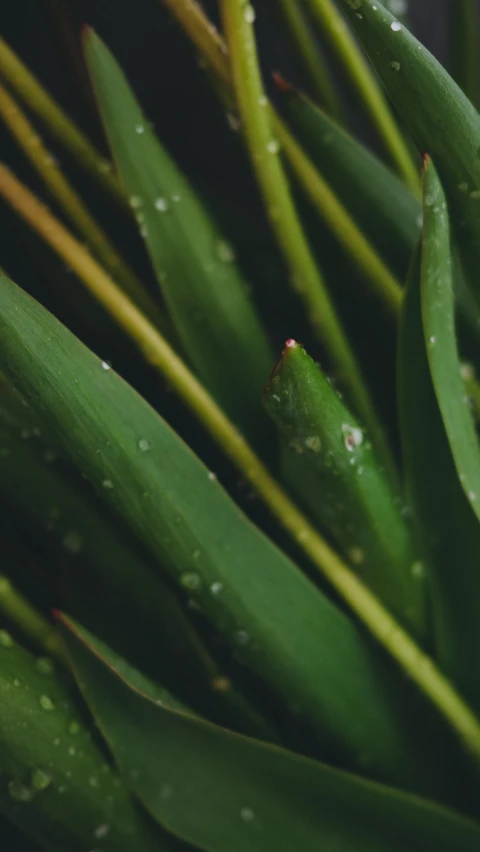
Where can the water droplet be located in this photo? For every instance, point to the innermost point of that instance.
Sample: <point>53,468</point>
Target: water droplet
<point>73,542</point>
<point>216,588</point>
<point>396,26</point>
<point>40,779</point>
<point>247,814</point>
<point>356,555</point>
<point>273,146</point>
<point>139,128</point>
<point>166,792</point>
<point>262,101</point>
<point>101,831</point>
<point>45,666</point>
<point>6,640</point>
<point>190,581</point>
<point>176,198</point>
<point>144,445</point>
<point>17,682</point>
<point>432,341</point>
<point>72,751</point>
<point>20,792</point>
<point>352,436</point>
<point>107,483</point>
<point>313,443</point>
<point>249,14</point>
<point>212,476</point>
<point>418,570</point>
<point>46,703</point>
<point>224,251</point>
<point>93,781</point>
<point>106,365</point>
<point>221,684</point>
<point>161,204</point>
<point>395,66</point>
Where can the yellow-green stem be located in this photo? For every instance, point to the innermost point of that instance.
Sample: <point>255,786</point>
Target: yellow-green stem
<point>316,71</point>
<point>21,613</point>
<point>27,87</point>
<point>363,79</point>
<point>363,603</point>
<point>71,203</point>
<point>264,150</point>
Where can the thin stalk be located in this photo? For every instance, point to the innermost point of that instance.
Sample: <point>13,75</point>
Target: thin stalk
<point>316,71</point>
<point>340,36</point>
<point>61,127</point>
<point>68,199</point>
<point>465,46</point>
<point>336,216</point>
<point>272,181</point>
<point>21,613</point>
<point>363,603</point>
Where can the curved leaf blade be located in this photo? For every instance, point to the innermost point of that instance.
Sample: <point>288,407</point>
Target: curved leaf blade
<point>437,114</point>
<point>245,586</point>
<point>336,474</point>
<point>448,531</point>
<point>439,329</point>
<point>55,784</point>
<point>181,769</point>
<point>196,268</point>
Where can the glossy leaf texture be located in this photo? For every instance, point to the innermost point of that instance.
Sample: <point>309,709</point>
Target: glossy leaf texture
<point>56,784</point>
<point>439,328</point>
<point>107,578</point>
<point>447,528</point>
<point>286,632</point>
<point>181,769</point>
<point>434,110</point>
<point>196,267</point>
<point>334,472</point>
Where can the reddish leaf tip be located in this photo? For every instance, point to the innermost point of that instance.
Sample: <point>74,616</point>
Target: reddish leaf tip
<point>280,82</point>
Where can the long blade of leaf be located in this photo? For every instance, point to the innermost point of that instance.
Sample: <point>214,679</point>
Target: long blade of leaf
<point>448,530</point>
<point>439,117</point>
<point>180,767</point>
<point>335,473</point>
<point>196,268</point>
<point>439,327</point>
<point>225,564</point>
<point>56,786</point>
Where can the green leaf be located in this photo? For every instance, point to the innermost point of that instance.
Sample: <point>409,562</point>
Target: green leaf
<point>269,612</point>
<point>439,328</point>
<point>436,113</point>
<point>107,578</point>
<point>55,784</point>
<point>381,205</point>
<point>448,530</point>
<point>200,278</point>
<point>336,474</point>
<point>181,769</point>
